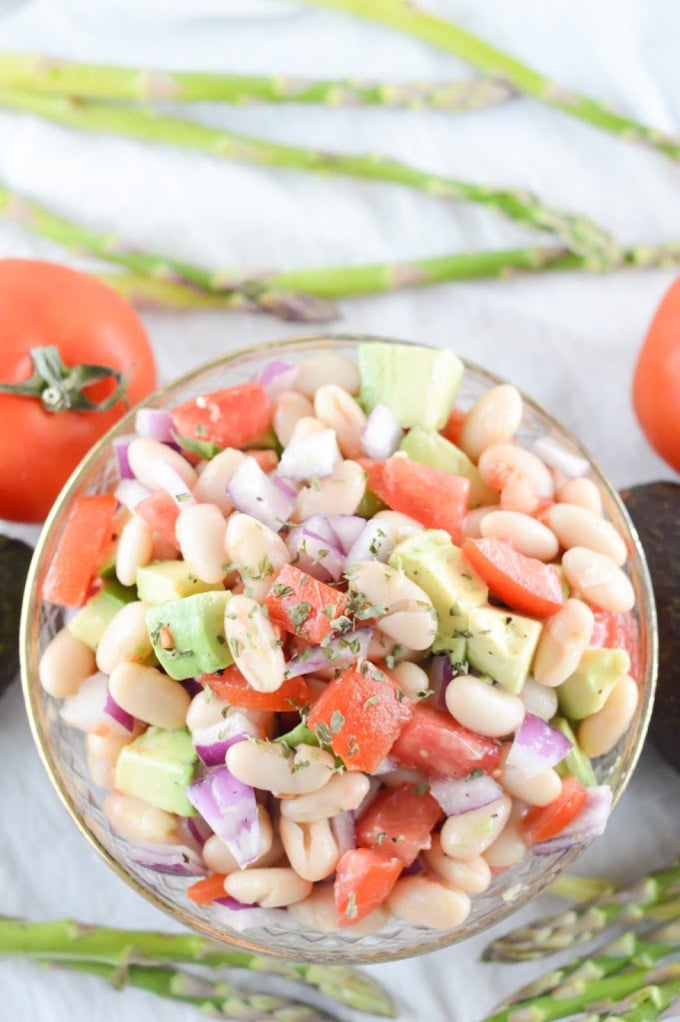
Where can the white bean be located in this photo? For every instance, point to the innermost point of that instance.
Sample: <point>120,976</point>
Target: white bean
<point>254,644</point>
<point>125,638</point>
<point>305,428</point>
<point>411,679</point>
<point>315,371</point>
<point>311,847</point>
<point>288,408</point>
<point>274,767</point>
<point>577,526</point>
<point>136,820</point>
<point>499,462</point>
<point>472,523</point>
<point>65,664</point>
<point>257,551</point>
<point>563,640</point>
<point>600,732</point>
<point>338,494</point>
<point>144,455</point>
<point>427,902</point>
<point>468,834</point>
<point>343,793</point>
<point>583,492</point>
<point>494,418</point>
<point>410,617</point>
<point>318,912</point>
<point>398,526</point>
<point>470,875</point>
<point>517,495</point>
<point>484,708</point>
<point>272,887</point>
<point>200,531</point>
<point>102,748</point>
<point>509,847</point>
<point>539,700</point>
<point>206,710</point>
<point>340,412</point>
<point>214,479</point>
<point>149,695</point>
<point>526,535</point>
<point>598,579</point>
<point>135,549</point>
<point>539,790</point>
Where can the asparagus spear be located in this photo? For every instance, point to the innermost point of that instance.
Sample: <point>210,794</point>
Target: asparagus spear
<point>577,233</point>
<point>584,921</point>
<point>411,19</point>
<point>64,940</point>
<point>55,77</point>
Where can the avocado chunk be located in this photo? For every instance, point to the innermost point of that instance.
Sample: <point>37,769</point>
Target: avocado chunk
<point>575,763</point>
<point>157,767</point>
<point>162,581</point>
<point>586,690</point>
<point>417,384</point>
<point>432,561</point>
<point>502,644</point>
<point>431,448</point>
<point>15,557</point>
<point>655,510</point>
<point>188,634</point>
<point>92,620</point>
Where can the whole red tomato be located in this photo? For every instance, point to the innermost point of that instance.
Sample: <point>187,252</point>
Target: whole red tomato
<point>50,315</point>
<point>656,382</point>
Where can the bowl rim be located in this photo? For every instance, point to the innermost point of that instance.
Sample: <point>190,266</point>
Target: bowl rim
<point>300,343</point>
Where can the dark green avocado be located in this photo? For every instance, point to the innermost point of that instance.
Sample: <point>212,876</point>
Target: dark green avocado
<point>655,510</point>
<point>15,558</point>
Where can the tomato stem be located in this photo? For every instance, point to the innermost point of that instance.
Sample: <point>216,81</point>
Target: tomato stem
<point>61,388</point>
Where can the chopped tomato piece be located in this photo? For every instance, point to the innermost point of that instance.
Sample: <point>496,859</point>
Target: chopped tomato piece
<point>230,686</point>
<point>303,605</point>
<point>525,584</point>
<point>82,546</point>
<point>544,822</point>
<point>207,890</point>
<point>160,511</point>
<point>359,714</point>
<point>363,879</point>
<point>434,742</point>
<point>399,822</point>
<point>234,417</point>
<point>436,499</point>
<point>618,631</point>
<point>453,426</point>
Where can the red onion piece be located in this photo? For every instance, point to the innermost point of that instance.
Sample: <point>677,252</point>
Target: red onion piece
<point>212,743</point>
<point>228,902</point>
<point>171,481</point>
<point>553,454</point>
<point>339,653</point>
<point>441,673</point>
<point>87,707</point>
<point>590,823</point>
<point>154,423</point>
<point>321,527</point>
<point>347,528</point>
<point>373,543</point>
<point>537,746</point>
<point>460,796</point>
<point>192,686</point>
<point>174,859</point>
<point>194,830</point>
<point>229,807</point>
<point>382,433</point>
<point>118,714</point>
<point>342,826</point>
<point>415,867</point>
<point>277,376</point>
<point>130,493</point>
<point>254,493</point>
<point>385,766</point>
<point>120,447</point>
<point>310,457</point>
<point>287,487</point>
<point>313,554</point>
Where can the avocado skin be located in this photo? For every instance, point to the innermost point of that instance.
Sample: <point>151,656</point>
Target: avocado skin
<point>15,557</point>
<point>655,510</point>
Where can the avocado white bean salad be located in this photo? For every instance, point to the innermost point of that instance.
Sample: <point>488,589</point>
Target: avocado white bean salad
<point>340,648</point>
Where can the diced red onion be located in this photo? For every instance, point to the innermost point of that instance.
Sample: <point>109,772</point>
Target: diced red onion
<point>253,492</point>
<point>176,860</point>
<point>537,746</point>
<point>539,700</point>
<point>321,527</point>
<point>192,686</point>
<point>229,807</point>
<point>415,867</point>
<point>171,481</point>
<point>154,423</point>
<point>382,433</point>
<point>441,673</point>
<point>313,554</point>
<point>339,653</point>
<point>374,543</point>
<point>461,796</point>
<point>590,823</point>
<point>310,457</point>
<point>130,493</point>
<point>286,486</point>
<point>553,454</point>
<point>277,376</point>
<point>211,743</point>
<point>385,766</point>
<point>195,829</point>
<point>228,902</point>
<point>120,447</point>
<point>87,707</point>
<point>117,712</point>
<point>342,826</point>
<point>347,528</point>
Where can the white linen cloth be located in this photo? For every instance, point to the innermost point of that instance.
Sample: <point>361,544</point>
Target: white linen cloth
<point>569,340</point>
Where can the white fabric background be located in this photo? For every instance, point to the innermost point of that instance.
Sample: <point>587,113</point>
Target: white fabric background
<point>568,340</point>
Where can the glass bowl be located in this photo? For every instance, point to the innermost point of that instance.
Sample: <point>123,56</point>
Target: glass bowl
<point>62,748</point>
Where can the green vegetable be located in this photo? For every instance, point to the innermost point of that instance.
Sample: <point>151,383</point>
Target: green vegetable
<point>15,557</point>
